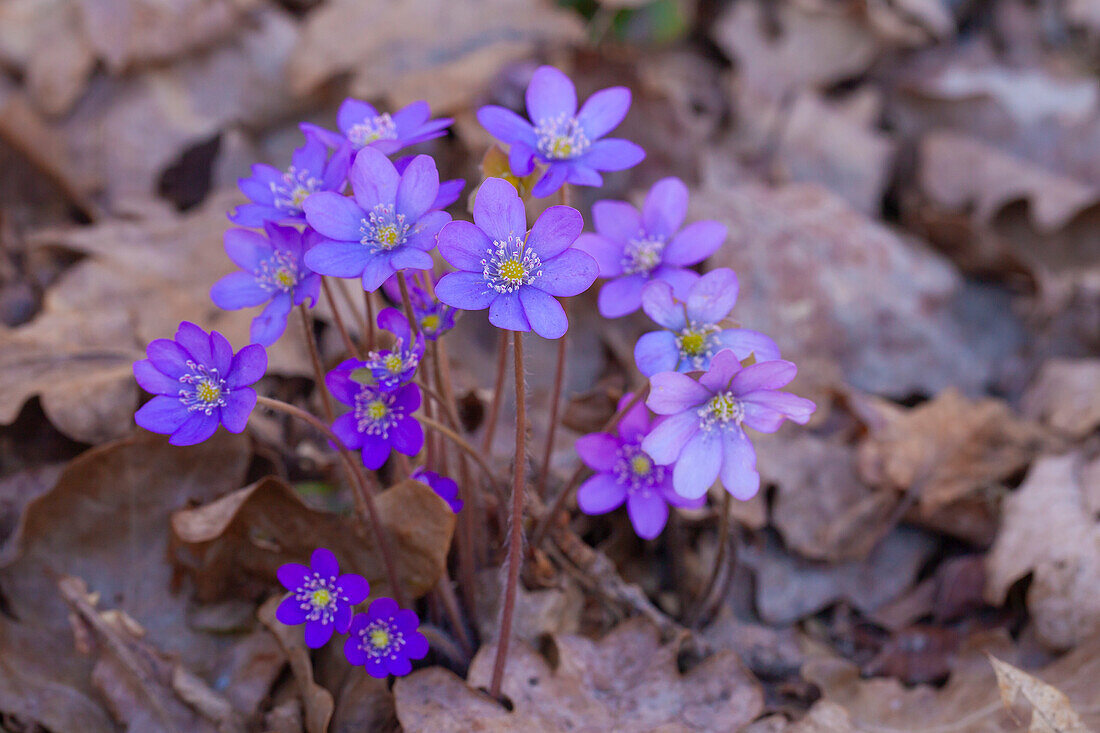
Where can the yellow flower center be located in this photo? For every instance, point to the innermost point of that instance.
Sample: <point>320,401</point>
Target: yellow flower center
<point>284,278</point>
<point>321,598</point>
<point>641,465</point>
<point>692,343</point>
<point>376,409</point>
<point>299,195</point>
<point>393,363</point>
<point>513,270</point>
<point>208,392</point>
<point>387,235</point>
<point>562,147</point>
<point>380,638</point>
<point>430,322</point>
<point>725,408</point>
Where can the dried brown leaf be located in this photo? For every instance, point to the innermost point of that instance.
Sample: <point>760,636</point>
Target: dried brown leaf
<point>1064,396</point>
<point>626,681</point>
<point>1051,710</point>
<point>222,537</point>
<point>317,700</point>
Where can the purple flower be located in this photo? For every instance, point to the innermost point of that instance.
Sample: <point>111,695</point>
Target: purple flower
<point>362,126</point>
<point>278,195</point>
<point>558,136</point>
<point>447,488</point>
<point>320,597</point>
<point>695,333</point>
<point>704,433</point>
<point>512,272</point>
<point>379,420</point>
<point>385,639</point>
<point>634,248</point>
<point>435,318</point>
<point>199,384</point>
<point>387,226</point>
<point>391,368</point>
<point>626,473</point>
<point>272,271</point>
<point>449,191</point>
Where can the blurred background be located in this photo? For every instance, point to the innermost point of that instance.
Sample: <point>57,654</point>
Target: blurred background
<point>911,189</point>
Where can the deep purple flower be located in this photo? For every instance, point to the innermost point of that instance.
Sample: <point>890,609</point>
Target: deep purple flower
<point>390,368</point>
<point>704,433</point>
<point>272,271</point>
<point>565,140</point>
<point>278,195</point>
<point>387,226</point>
<point>385,639</point>
<point>447,488</point>
<point>320,597</point>
<point>695,333</point>
<point>435,318</point>
<point>635,248</point>
<point>512,272</point>
<point>626,473</point>
<point>379,420</point>
<point>362,126</point>
<point>199,384</point>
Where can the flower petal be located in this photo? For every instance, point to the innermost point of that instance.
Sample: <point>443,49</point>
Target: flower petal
<point>612,154</point>
<point>197,428</point>
<point>554,231</point>
<point>290,612</point>
<point>763,375</point>
<point>499,211</point>
<point>672,392</point>
<point>617,220</point>
<point>723,367</point>
<point>407,437</point>
<point>324,562</point>
<point>681,280</point>
<point>337,259</point>
<point>607,253</point>
<point>713,296</point>
<point>417,188</point>
<point>549,95</point>
<point>464,245</point>
<point>599,451</point>
<point>600,494</point>
<point>376,270</point>
<point>743,343</point>
<point>621,296</point>
<point>334,216</point>
<point>665,207</point>
<point>666,440</point>
<point>355,587</point>
<point>154,381</point>
<point>374,180</point>
<point>271,323</point>
<point>318,634</point>
<point>292,575</point>
<point>196,342</point>
<point>465,290</point>
<point>659,304</point>
<point>246,249</point>
<point>346,429</point>
<point>168,357</point>
<point>248,367</point>
<point>353,112</point>
<point>695,243</point>
<point>569,273</point>
<point>506,312</point>
<point>635,423</point>
<point>506,126</point>
<point>738,474</point>
<point>238,406</point>
<point>162,414</point>
<point>238,290</point>
<point>407,258</point>
<point>656,352</point>
<point>544,312</point>
<point>795,408</point>
<point>648,513</point>
<point>697,468</point>
<point>603,111</point>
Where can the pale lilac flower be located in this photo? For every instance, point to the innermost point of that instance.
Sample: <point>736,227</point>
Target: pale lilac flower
<point>363,126</point>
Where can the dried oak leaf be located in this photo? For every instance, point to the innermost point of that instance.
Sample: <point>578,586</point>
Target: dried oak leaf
<point>107,520</point>
<point>391,51</point>
<point>970,702</point>
<point>947,452</point>
<point>240,540</point>
<point>1064,396</point>
<point>626,681</point>
<point>139,281</point>
<point>887,309</point>
<point>316,700</point>
<point>1051,709</point>
<point>1049,530</point>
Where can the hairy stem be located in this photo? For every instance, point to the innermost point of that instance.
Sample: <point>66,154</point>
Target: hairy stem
<point>515,541</point>
<point>555,400</point>
<point>498,388</point>
<point>344,335</point>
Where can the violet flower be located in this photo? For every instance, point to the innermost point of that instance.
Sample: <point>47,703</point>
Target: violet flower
<point>704,436</point>
<point>278,195</point>
<point>199,384</point>
<point>626,473</point>
<point>273,273</point>
<point>634,248</point>
<point>362,126</point>
<point>379,421</point>
<point>388,225</point>
<point>434,318</point>
<point>695,332</point>
<point>514,273</point>
<point>385,639</point>
<point>447,488</point>
<point>565,140</point>
<point>390,368</point>
<point>320,597</point>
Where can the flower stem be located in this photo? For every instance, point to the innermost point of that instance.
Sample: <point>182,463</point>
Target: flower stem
<point>368,307</point>
<point>315,359</point>
<point>406,301</point>
<point>459,441</point>
<point>344,336</point>
<point>719,561</point>
<point>555,400</point>
<point>498,389</point>
<point>575,479</point>
<point>341,288</point>
<point>515,541</point>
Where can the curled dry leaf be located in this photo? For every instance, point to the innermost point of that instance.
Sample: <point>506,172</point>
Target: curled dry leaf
<point>391,51</point>
<point>905,336</point>
<point>626,681</point>
<point>1064,396</point>
<point>139,281</point>
<point>106,520</point>
<point>238,542</point>
<point>1051,711</point>
<point>948,451</point>
<point>316,700</point>
<point>1050,530</point>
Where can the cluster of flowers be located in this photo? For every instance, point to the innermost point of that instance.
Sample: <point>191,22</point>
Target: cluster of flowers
<point>344,209</point>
